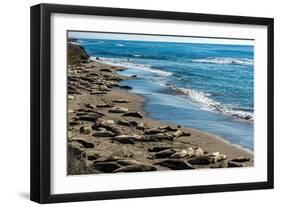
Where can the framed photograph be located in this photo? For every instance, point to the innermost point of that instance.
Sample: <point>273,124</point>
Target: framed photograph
<point>132,103</point>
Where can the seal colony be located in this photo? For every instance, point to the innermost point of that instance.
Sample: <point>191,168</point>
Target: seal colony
<point>108,132</point>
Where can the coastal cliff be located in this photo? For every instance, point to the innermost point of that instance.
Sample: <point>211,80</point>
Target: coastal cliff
<point>75,53</point>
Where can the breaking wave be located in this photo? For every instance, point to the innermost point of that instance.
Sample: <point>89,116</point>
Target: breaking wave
<point>120,45</point>
<point>127,64</point>
<point>205,102</point>
<point>226,61</point>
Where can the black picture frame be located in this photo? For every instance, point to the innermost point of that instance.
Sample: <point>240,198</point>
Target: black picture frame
<point>41,99</point>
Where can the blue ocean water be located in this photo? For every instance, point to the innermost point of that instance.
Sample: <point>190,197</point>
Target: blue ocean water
<point>204,86</point>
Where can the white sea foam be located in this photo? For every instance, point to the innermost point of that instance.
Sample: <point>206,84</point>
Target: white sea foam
<point>120,45</point>
<point>137,55</point>
<point>226,61</point>
<point>128,64</point>
<point>75,43</point>
<point>204,100</point>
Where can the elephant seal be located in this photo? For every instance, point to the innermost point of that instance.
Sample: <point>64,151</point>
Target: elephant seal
<point>136,168</point>
<point>106,167</point>
<point>176,164</point>
<point>164,153</point>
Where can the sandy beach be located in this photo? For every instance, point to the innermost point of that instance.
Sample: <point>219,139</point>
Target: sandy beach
<point>109,132</point>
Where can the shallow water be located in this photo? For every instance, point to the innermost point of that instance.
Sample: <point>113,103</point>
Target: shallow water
<point>162,104</point>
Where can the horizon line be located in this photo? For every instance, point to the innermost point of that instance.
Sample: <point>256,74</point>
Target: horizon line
<point>158,38</point>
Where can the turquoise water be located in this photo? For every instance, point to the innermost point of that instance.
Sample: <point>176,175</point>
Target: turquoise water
<point>204,86</point>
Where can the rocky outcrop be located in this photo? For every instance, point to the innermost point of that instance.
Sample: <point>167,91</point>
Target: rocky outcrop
<point>76,54</point>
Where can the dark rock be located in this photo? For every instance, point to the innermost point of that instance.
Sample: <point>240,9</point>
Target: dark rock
<point>76,54</point>
<point>76,162</point>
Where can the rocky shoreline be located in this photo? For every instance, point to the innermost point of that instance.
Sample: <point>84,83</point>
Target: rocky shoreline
<point>108,132</point>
